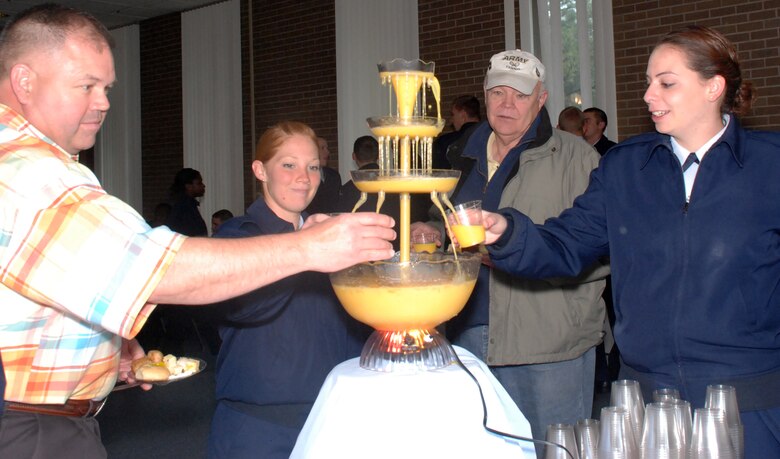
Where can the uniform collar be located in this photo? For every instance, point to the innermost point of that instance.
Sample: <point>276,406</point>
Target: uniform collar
<point>731,139</point>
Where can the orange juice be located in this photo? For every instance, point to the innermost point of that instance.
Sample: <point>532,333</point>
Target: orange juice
<point>406,85</point>
<point>402,307</point>
<point>469,235</point>
<point>410,130</point>
<point>429,247</point>
<point>412,184</point>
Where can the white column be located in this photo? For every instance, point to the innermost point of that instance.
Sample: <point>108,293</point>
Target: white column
<point>118,145</point>
<point>211,86</point>
<point>368,32</point>
<point>604,57</point>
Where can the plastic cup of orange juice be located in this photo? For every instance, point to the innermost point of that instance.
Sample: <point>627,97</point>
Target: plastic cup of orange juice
<point>466,223</point>
<point>424,242</point>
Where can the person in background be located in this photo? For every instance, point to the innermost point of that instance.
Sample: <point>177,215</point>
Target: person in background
<point>464,116</point>
<point>593,129</point>
<point>81,269</point>
<point>537,336</point>
<point>688,218</point>
<point>327,198</point>
<point>282,340</point>
<point>571,120</point>
<point>365,153</point>
<point>185,216</point>
<point>219,217</point>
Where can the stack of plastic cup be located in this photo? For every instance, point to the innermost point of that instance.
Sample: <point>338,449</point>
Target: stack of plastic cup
<point>725,398</point>
<point>682,411</point>
<point>563,435</point>
<point>666,394</point>
<point>626,393</point>
<point>710,438</point>
<point>662,436</point>
<point>616,437</point>
<point>586,432</point>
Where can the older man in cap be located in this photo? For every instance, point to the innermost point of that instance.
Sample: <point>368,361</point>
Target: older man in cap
<point>538,336</point>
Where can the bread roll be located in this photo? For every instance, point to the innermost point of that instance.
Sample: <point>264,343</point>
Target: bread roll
<point>155,356</point>
<point>138,363</point>
<point>151,372</point>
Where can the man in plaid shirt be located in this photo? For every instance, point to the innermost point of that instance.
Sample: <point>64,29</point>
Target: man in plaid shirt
<point>80,270</point>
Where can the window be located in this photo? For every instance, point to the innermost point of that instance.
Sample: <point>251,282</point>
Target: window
<point>573,38</point>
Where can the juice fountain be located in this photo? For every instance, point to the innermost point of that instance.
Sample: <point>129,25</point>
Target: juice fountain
<point>405,298</point>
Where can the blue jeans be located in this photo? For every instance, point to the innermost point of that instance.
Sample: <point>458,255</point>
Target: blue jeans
<point>546,393</point>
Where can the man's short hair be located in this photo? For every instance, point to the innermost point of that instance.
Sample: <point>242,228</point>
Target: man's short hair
<point>570,119</point>
<point>45,28</point>
<point>366,149</point>
<point>223,215</point>
<point>468,104</point>
<point>602,116</point>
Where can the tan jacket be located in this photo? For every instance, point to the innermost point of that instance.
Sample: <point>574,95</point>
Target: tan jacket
<point>542,321</point>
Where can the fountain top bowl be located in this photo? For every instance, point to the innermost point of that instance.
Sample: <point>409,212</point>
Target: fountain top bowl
<point>404,65</point>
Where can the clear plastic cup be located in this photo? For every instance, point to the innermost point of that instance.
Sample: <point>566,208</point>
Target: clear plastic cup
<point>666,394</point>
<point>710,438</point>
<point>424,242</point>
<point>662,437</point>
<point>563,435</point>
<point>627,393</point>
<point>616,438</point>
<point>586,432</point>
<point>466,223</point>
<point>682,411</point>
<point>725,397</point>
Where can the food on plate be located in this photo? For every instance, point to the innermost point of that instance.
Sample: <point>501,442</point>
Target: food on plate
<point>152,372</point>
<point>155,366</point>
<point>181,365</point>
<point>155,356</point>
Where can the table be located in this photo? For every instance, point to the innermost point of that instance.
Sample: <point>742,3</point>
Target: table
<point>362,413</point>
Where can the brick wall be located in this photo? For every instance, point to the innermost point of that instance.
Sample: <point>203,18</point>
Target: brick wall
<point>753,25</point>
<point>162,142</point>
<point>460,36</point>
<point>295,65</point>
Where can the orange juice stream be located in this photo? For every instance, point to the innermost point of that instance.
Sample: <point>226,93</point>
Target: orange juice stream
<point>436,202</point>
<point>363,198</point>
<point>380,199</point>
<point>405,206</point>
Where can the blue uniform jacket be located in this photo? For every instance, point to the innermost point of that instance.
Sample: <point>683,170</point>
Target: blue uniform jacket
<point>696,285</point>
<point>282,340</point>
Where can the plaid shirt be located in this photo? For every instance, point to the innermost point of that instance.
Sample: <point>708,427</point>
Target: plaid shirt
<point>76,267</point>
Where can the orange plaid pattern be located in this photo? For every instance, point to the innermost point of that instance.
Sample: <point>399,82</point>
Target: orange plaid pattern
<point>76,268</point>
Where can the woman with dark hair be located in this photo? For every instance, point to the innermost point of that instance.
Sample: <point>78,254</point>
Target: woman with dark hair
<point>690,219</point>
<point>281,341</point>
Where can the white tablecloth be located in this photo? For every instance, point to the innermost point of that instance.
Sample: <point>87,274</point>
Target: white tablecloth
<point>430,414</point>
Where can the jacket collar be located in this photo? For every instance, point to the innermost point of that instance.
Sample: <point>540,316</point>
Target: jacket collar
<point>538,134</point>
<point>268,222</point>
<point>731,139</point>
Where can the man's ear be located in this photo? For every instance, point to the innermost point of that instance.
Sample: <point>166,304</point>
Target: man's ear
<point>22,82</point>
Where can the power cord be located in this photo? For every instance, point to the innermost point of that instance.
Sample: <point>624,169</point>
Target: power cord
<point>498,432</point>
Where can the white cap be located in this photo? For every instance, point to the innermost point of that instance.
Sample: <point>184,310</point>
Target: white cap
<point>517,69</point>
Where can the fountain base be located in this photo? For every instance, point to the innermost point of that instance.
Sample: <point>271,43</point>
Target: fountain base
<point>406,351</point>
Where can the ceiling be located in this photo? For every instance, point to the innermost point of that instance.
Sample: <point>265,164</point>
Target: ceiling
<point>112,13</point>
